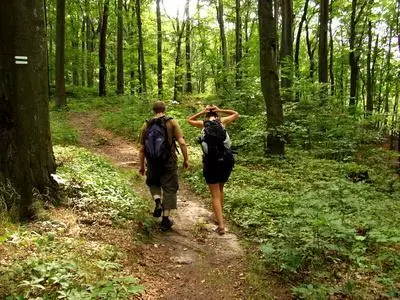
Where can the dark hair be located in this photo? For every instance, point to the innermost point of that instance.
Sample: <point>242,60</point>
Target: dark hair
<point>211,114</point>
<point>159,107</point>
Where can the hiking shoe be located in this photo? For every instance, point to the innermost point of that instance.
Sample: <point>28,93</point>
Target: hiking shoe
<point>158,209</point>
<point>166,223</point>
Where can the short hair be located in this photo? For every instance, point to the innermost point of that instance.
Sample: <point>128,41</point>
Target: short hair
<point>159,107</point>
<point>211,113</point>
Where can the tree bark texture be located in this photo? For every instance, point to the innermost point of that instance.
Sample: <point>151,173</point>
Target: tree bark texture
<point>26,155</point>
<point>102,51</point>
<point>269,76</point>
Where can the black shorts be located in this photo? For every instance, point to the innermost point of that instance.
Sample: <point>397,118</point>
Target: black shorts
<point>217,171</point>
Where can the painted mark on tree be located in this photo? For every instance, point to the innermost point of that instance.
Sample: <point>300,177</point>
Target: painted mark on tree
<point>21,60</point>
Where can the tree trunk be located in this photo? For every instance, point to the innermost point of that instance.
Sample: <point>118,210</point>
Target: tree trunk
<point>269,76</point>
<point>298,38</point>
<point>26,155</point>
<point>189,87</point>
<point>178,60</point>
<point>323,41</point>
<point>286,51</point>
<point>120,51</point>
<point>331,72</point>
<point>82,58</point>
<point>159,53</point>
<point>220,18</point>
<point>310,51</point>
<point>142,72</point>
<point>238,50</point>
<point>388,76</point>
<point>90,36</point>
<point>102,52</point>
<point>60,55</point>
<point>369,106</point>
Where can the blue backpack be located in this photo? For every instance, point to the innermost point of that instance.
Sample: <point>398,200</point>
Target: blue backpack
<point>157,148</point>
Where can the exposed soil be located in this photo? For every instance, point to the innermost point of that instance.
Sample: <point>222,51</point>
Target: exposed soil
<point>190,261</point>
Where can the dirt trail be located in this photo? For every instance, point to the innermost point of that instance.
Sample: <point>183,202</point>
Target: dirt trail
<point>189,262</point>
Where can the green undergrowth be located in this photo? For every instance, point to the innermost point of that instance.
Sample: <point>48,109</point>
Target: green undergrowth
<point>96,184</point>
<point>325,216</point>
<point>54,266</point>
<point>45,260</point>
<point>320,230</point>
<point>62,133</point>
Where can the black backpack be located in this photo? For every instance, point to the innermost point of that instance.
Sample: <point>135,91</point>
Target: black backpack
<point>157,148</point>
<point>213,140</point>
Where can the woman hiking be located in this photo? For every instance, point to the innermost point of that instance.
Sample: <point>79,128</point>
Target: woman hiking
<point>218,160</point>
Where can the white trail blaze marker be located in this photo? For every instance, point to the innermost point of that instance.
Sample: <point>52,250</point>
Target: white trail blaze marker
<point>21,60</point>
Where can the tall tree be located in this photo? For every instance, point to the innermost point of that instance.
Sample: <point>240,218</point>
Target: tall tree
<point>159,51</point>
<point>298,36</point>
<point>354,54</point>
<point>188,51</point>
<point>60,55</point>
<point>331,72</point>
<point>141,64</point>
<point>90,41</point>
<point>269,76</point>
<point>179,28</point>
<point>221,23</point>
<point>323,41</point>
<point>26,155</point>
<point>369,106</point>
<point>286,50</point>
<point>102,51</point>
<point>120,50</point>
<point>238,44</point>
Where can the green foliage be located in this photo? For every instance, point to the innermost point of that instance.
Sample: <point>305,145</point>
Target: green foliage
<point>92,183</point>
<point>63,268</point>
<point>62,133</point>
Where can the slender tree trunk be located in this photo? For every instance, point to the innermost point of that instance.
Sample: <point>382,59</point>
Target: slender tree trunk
<point>369,105</point>
<point>178,60</point>
<point>310,51</point>
<point>220,17</point>
<point>189,87</point>
<point>120,51</point>
<point>323,41</point>
<point>298,38</point>
<point>60,55</point>
<point>102,52</point>
<point>82,56</point>
<point>269,76</point>
<point>75,62</point>
<point>331,72</point>
<point>142,72</point>
<point>238,52</point>
<point>90,36</point>
<point>159,52</point>
<point>26,155</point>
<point>286,51</point>
<point>388,76</point>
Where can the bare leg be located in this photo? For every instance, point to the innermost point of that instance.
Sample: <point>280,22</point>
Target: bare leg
<point>221,189</point>
<point>216,202</point>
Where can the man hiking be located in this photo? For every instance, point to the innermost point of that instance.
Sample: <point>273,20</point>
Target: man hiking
<point>158,139</point>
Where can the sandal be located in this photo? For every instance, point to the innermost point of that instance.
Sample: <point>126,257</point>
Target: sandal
<point>219,230</point>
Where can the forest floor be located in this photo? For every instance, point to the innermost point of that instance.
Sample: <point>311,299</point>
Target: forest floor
<point>188,262</point>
